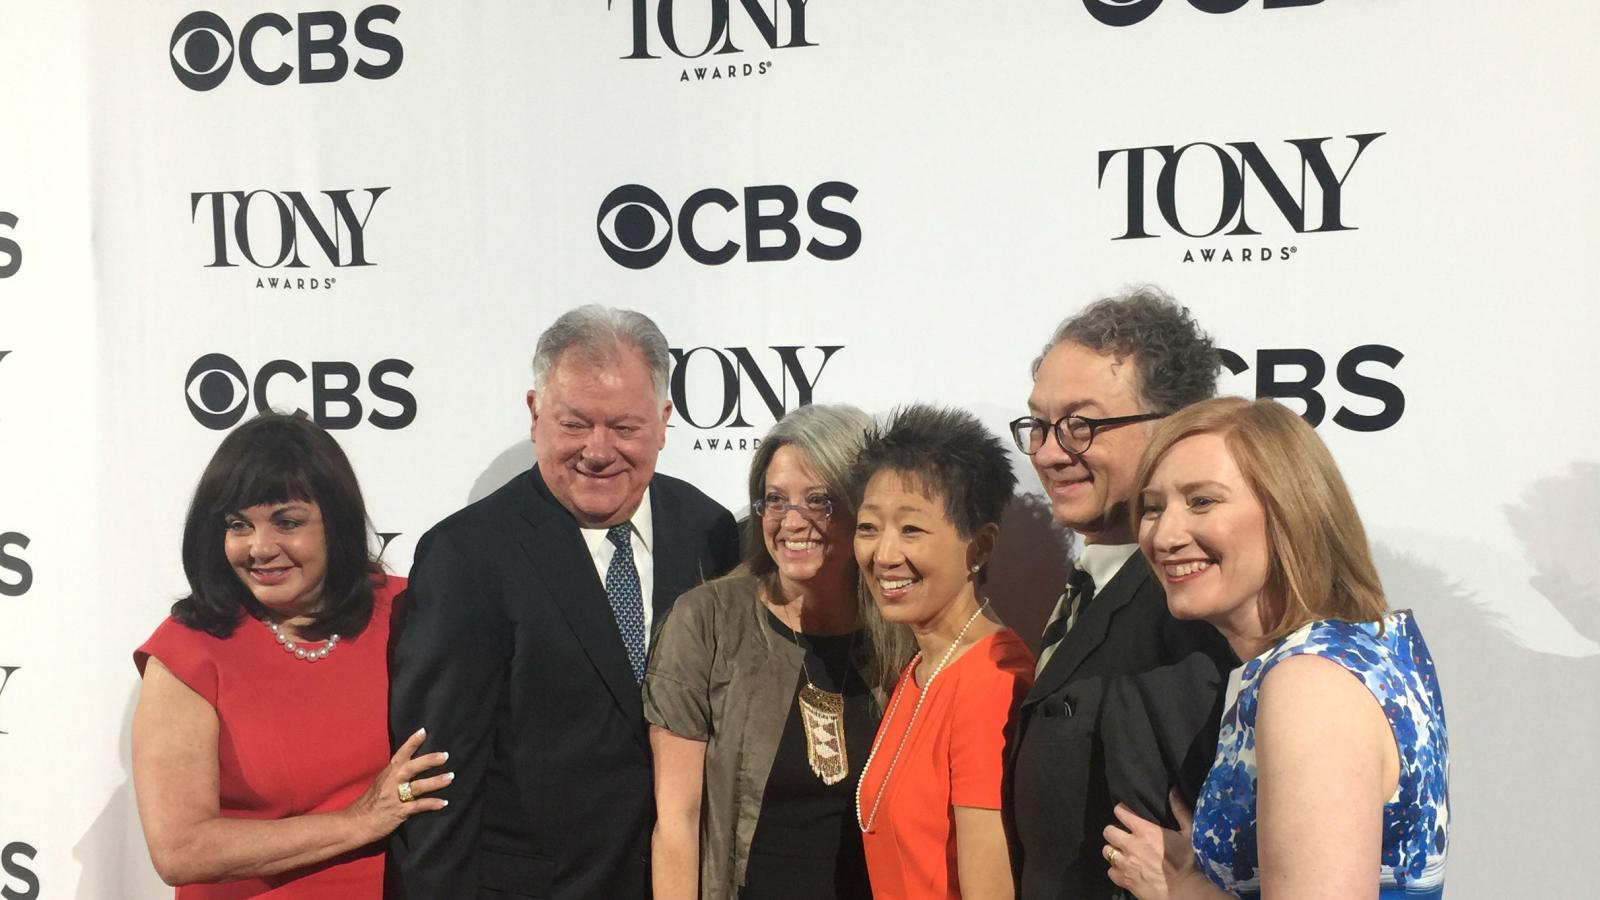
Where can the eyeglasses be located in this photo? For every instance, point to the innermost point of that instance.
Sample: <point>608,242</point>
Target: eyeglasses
<point>814,507</point>
<point>1073,433</point>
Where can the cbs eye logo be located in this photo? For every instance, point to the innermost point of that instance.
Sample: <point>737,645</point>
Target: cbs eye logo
<point>203,48</point>
<point>635,225</point>
<point>219,392</point>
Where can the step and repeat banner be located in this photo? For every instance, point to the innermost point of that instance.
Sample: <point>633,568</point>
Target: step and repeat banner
<point>368,212</point>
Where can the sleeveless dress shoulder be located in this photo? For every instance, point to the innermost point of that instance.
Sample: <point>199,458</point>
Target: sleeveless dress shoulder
<point>1395,665</point>
<point>294,737</point>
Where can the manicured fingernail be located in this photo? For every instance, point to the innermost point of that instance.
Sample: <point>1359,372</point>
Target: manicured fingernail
<point>449,776</point>
<point>422,731</point>
<point>445,754</point>
<point>443,803</point>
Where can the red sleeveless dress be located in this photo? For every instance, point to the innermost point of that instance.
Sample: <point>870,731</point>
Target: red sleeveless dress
<point>295,737</point>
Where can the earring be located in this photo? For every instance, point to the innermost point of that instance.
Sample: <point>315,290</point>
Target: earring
<point>976,568</point>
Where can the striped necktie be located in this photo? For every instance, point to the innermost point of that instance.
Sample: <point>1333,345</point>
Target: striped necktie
<point>1080,590</point>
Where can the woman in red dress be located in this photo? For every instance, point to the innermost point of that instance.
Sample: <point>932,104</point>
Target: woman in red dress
<point>260,743</point>
<point>931,488</point>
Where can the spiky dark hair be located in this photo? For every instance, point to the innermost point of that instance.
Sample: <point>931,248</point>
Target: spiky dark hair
<point>948,454</point>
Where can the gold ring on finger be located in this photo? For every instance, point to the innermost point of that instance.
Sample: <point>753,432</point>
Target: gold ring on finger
<point>405,792</point>
<point>1111,855</point>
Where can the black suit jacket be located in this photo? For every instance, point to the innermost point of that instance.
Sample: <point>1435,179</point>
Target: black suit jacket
<point>1125,710</point>
<point>507,652</point>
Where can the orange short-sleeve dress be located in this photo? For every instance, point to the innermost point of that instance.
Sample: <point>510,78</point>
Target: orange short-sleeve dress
<point>953,756</point>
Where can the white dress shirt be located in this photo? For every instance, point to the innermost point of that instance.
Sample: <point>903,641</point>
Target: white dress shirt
<point>1104,561</point>
<point>643,538</point>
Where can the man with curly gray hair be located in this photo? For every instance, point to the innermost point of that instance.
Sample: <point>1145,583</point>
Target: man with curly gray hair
<point>1126,700</point>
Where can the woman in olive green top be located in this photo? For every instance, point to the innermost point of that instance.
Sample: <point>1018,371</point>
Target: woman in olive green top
<point>765,687</point>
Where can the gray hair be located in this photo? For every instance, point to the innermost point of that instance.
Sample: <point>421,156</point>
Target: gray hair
<point>828,436</point>
<point>598,332</point>
<point>1176,362</point>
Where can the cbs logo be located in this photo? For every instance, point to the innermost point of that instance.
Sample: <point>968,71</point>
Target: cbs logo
<point>15,859</point>
<point>203,47</point>
<point>219,393</point>
<point>1131,12</point>
<point>10,250</point>
<point>635,225</point>
<point>1298,373</point>
<point>19,575</point>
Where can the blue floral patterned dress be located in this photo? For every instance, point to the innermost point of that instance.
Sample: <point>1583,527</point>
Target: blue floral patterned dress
<point>1398,669</point>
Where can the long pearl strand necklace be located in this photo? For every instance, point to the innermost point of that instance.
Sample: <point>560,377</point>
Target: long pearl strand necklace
<point>299,650</point>
<point>867,822</point>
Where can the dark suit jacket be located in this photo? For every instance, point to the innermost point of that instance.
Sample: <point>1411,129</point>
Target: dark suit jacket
<point>507,652</point>
<point>1125,710</point>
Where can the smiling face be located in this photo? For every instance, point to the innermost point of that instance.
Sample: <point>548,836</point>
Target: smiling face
<point>1205,534</point>
<point>280,553</point>
<point>810,551</point>
<point>1090,493</point>
<point>916,564</point>
<point>596,431</point>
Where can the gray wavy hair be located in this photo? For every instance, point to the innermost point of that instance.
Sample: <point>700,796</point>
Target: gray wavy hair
<point>597,332</point>
<point>1176,362</point>
<point>828,437</point>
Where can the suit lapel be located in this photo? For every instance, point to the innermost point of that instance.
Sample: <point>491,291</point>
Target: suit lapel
<point>1092,627</point>
<point>673,555</point>
<point>561,558</point>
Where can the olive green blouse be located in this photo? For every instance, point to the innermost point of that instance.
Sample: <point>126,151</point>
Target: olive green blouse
<point>718,673</point>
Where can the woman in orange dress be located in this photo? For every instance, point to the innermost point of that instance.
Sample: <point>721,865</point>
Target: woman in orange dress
<point>932,486</point>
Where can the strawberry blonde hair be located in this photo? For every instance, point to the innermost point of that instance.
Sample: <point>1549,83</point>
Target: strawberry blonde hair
<point>1319,564</point>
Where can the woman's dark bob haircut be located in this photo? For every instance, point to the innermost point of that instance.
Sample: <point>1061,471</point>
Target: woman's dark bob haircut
<point>948,454</point>
<point>276,458</point>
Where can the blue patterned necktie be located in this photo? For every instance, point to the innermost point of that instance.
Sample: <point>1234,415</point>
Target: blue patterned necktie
<point>627,601</point>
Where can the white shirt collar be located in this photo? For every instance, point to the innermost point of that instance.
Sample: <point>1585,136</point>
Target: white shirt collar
<point>643,523</point>
<point>601,551</point>
<point>643,527</point>
<point>1104,561</point>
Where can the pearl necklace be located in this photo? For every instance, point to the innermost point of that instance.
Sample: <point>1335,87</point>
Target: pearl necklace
<point>867,822</point>
<point>299,650</point>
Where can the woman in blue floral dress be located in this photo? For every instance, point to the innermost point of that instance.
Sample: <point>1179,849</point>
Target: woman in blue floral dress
<point>1324,785</point>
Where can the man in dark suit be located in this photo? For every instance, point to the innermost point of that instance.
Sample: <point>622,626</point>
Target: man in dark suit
<point>1125,702</point>
<point>522,640</point>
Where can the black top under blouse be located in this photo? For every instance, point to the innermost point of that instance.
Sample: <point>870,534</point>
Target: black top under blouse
<point>807,845</point>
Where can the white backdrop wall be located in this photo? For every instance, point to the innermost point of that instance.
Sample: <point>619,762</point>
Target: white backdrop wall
<point>961,176</point>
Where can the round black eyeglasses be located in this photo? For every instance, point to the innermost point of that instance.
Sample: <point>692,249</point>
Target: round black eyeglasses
<point>1073,433</point>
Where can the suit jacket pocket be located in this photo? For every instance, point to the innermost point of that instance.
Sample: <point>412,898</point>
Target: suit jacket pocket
<point>1056,707</point>
<point>516,875</point>
<point>1069,714</point>
<point>1050,783</point>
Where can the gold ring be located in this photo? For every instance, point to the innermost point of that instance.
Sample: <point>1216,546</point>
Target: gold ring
<point>1111,855</point>
<point>405,792</point>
